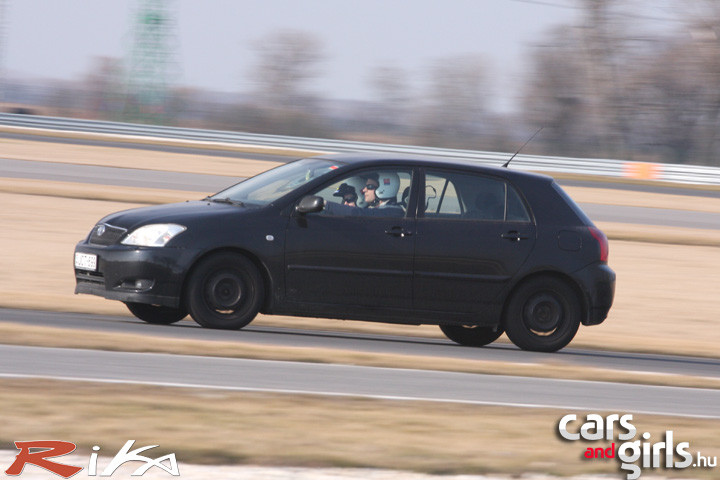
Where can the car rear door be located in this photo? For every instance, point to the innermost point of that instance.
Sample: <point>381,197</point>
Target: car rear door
<point>473,235</point>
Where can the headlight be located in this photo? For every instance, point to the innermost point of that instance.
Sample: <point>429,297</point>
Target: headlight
<point>156,235</point>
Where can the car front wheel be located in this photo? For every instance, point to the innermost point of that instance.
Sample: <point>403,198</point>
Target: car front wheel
<point>156,314</point>
<point>543,315</point>
<point>471,335</point>
<point>225,292</point>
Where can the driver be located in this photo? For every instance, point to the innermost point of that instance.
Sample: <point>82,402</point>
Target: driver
<point>381,190</point>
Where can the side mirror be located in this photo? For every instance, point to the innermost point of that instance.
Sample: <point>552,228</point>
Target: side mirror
<point>310,204</point>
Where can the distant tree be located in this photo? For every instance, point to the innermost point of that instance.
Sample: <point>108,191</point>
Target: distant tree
<point>284,101</point>
<point>605,33</point>
<point>663,117</point>
<point>456,102</point>
<point>701,64</point>
<point>556,96</point>
<point>286,63</point>
<point>104,88</point>
<point>580,85</point>
<point>674,114</point>
<point>64,98</point>
<point>392,98</point>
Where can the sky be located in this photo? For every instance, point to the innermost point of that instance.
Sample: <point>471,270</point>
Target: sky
<point>52,39</point>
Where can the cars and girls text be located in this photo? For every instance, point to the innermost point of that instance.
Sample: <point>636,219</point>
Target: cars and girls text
<point>633,455</point>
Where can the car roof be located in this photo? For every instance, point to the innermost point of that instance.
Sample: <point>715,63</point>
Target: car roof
<point>371,159</point>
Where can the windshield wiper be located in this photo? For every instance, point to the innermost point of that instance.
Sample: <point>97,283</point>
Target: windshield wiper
<point>227,200</point>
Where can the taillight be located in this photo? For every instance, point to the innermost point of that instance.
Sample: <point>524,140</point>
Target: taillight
<point>602,241</point>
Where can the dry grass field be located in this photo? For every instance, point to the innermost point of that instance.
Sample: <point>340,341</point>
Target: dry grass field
<point>218,428</point>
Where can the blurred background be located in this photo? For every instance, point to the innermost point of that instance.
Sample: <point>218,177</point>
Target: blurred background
<point>635,80</point>
<point>631,79</point>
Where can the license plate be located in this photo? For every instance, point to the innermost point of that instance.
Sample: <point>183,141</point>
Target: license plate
<point>86,261</point>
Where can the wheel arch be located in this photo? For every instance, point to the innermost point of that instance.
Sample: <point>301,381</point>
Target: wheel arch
<point>567,279</point>
<point>262,268</point>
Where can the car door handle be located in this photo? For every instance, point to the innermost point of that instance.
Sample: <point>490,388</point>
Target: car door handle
<point>514,236</point>
<point>398,232</point>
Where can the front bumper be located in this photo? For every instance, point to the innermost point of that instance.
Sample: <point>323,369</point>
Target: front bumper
<point>135,274</point>
<point>598,283</point>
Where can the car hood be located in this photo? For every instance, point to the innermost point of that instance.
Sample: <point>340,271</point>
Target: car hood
<point>186,213</point>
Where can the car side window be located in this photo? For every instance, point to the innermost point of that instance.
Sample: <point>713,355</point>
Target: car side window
<point>452,195</point>
<point>441,198</point>
<point>516,211</point>
<point>380,192</point>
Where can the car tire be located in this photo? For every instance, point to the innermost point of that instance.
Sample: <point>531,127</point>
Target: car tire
<point>156,314</point>
<point>543,315</point>
<point>225,291</point>
<point>471,335</point>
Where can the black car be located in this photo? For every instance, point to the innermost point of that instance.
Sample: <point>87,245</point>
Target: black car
<point>476,250</point>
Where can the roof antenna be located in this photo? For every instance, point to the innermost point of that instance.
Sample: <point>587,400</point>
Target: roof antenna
<point>523,146</point>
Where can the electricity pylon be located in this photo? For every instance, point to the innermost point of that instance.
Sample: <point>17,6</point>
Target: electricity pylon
<point>149,65</point>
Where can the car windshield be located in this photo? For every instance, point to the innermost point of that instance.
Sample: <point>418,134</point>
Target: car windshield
<point>267,187</point>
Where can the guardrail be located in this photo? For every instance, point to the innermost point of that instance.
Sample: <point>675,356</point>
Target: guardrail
<point>689,174</point>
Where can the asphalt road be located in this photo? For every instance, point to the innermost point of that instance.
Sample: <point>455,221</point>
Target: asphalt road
<point>193,183</point>
<point>347,380</point>
<point>371,343</point>
<point>196,150</point>
<point>65,172</point>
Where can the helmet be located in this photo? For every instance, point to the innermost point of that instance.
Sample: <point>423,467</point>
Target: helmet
<point>358,184</point>
<point>389,184</point>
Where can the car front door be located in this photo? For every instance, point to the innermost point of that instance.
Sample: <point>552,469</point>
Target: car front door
<point>472,238</point>
<point>351,255</point>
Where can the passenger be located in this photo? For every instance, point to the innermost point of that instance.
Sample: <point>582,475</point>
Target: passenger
<point>348,194</point>
<point>357,183</point>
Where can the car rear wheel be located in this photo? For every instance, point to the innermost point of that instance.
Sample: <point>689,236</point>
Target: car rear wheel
<point>156,314</point>
<point>543,315</point>
<point>471,335</point>
<point>225,292</point>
